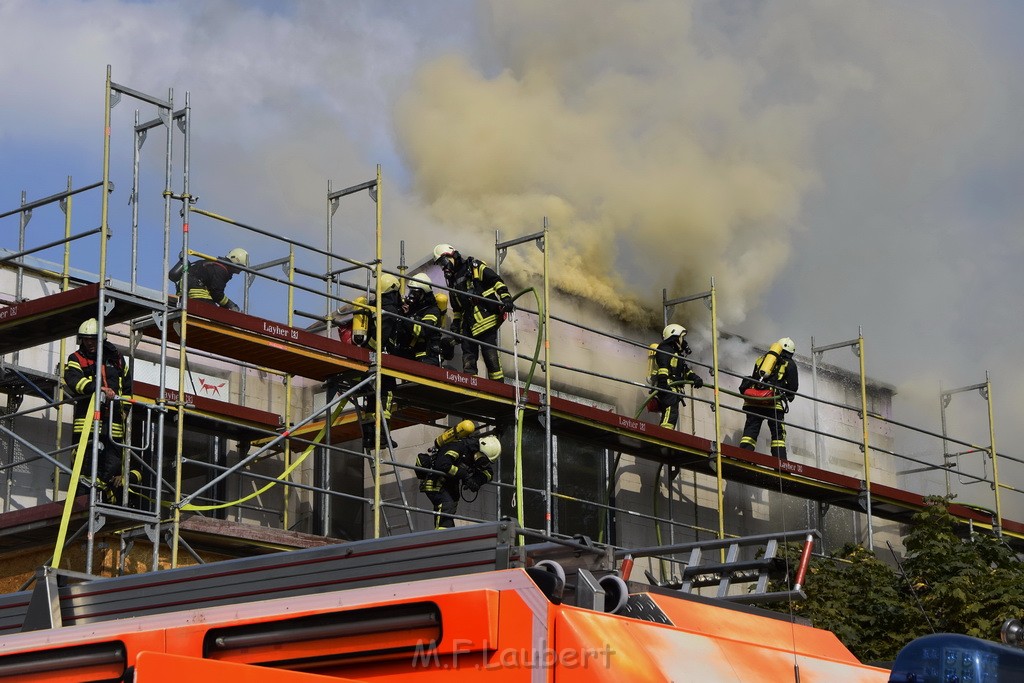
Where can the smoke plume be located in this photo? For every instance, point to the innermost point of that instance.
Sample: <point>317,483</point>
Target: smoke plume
<point>659,157</point>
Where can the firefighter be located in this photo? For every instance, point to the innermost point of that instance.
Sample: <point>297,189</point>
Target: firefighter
<point>476,317</point>
<point>464,463</point>
<point>767,393</point>
<point>670,370</point>
<point>80,374</point>
<point>390,293</point>
<point>207,279</point>
<point>419,335</point>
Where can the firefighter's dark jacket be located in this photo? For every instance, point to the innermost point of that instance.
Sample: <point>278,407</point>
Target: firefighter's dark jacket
<point>391,303</point>
<point>418,337</point>
<point>669,366</point>
<point>80,378</point>
<point>471,316</point>
<point>207,280</point>
<point>458,462</point>
<point>784,378</point>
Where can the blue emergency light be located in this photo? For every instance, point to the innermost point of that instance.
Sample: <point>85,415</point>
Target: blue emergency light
<point>952,658</point>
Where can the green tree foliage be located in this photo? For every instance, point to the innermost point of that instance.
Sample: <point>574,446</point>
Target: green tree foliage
<point>964,583</point>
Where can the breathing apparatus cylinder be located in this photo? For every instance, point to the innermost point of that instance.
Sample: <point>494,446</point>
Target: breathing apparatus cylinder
<point>361,321</point>
<point>459,431</point>
<point>176,271</point>
<point>768,362</point>
<point>441,299</point>
<point>652,362</point>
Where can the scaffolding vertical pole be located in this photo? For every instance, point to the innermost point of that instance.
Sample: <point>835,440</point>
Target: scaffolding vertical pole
<point>543,320</point>
<point>332,205</point>
<point>812,512</point>
<point>133,198</point>
<point>867,448</point>
<point>377,364</point>
<point>161,400</point>
<point>814,390</point>
<point>994,455</point>
<point>710,299</point>
<point>322,506</point>
<point>286,494</point>
<point>66,204</point>
<point>100,322</point>
<point>944,399</point>
<point>548,443</point>
<point>23,218</point>
<point>718,422</point>
<point>186,204</point>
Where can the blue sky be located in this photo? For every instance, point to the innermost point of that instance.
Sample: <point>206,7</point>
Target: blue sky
<point>835,165</point>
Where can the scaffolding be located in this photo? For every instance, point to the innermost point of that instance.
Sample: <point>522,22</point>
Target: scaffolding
<point>573,412</point>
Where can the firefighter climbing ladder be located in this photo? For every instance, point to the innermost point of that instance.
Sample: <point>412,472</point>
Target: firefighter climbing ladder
<point>396,516</point>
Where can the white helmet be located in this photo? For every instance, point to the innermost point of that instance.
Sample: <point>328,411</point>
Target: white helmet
<point>490,447</point>
<point>442,250</point>
<point>238,256</point>
<point>387,283</point>
<point>788,345</point>
<point>90,328</point>
<point>673,330</point>
<point>420,281</point>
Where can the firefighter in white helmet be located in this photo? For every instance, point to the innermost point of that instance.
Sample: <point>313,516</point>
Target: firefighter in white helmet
<point>80,376</point>
<point>767,393</point>
<point>207,279</point>
<point>480,302</point>
<point>670,371</point>
<point>462,464</point>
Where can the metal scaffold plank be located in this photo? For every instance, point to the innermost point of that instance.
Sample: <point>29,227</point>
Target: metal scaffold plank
<point>38,321</point>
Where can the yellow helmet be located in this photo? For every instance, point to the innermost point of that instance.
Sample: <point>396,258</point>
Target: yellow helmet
<point>387,283</point>
<point>420,281</point>
<point>90,328</point>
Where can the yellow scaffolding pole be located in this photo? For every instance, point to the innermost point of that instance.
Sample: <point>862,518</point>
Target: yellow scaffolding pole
<point>994,455</point>
<point>718,423</point>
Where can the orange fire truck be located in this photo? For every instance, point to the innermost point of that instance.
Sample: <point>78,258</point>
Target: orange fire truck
<point>472,603</point>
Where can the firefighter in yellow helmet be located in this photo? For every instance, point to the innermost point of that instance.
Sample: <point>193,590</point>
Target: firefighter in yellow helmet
<point>480,301</point>
<point>767,393</point>
<point>390,292</point>
<point>670,371</point>
<point>208,279</point>
<point>419,334</point>
<point>444,472</point>
<point>81,373</point>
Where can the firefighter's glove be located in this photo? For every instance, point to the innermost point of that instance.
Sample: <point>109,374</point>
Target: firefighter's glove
<point>475,480</point>
<point>697,382</point>
<point>447,348</point>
